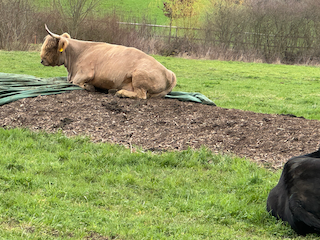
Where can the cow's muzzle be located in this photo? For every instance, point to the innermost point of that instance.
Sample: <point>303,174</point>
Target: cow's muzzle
<point>44,63</point>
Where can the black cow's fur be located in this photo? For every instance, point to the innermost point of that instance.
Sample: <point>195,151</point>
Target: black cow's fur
<point>296,198</point>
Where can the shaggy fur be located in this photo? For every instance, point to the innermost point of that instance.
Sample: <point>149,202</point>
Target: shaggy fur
<point>131,72</point>
<point>296,198</point>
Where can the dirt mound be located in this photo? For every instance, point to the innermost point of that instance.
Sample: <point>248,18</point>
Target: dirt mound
<point>166,124</point>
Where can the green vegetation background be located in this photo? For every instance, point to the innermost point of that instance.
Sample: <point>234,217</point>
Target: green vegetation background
<point>149,9</point>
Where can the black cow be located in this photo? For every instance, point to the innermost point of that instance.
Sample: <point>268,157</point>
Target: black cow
<point>296,198</point>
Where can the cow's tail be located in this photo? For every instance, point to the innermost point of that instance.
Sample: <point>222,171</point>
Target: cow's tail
<point>172,81</point>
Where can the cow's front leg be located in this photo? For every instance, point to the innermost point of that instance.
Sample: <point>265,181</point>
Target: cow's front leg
<point>83,81</point>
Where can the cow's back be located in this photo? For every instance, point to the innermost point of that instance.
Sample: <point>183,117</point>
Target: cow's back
<point>116,63</point>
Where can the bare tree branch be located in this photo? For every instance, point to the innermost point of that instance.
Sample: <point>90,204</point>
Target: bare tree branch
<point>74,12</point>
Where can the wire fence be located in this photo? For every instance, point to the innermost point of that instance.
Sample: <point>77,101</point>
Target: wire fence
<point>209,36</point>
<point>288,47</point>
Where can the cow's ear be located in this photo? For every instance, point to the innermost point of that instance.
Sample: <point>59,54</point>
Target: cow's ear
<point>63,43</point>
<point>66,35</point>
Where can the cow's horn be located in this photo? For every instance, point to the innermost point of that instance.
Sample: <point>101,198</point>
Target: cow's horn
<point>50,33</point>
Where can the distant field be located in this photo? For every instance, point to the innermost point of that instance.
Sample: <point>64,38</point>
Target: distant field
<point>133,9</point>
<point>257,87</point>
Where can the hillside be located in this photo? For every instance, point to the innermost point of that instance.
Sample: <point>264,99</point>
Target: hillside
<point>134,10</point>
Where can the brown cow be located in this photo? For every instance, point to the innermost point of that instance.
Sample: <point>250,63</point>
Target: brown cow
<point>91,65</point>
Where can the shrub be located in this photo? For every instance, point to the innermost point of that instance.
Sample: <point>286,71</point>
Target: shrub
<point>284,31</point>
<point>16,20</point>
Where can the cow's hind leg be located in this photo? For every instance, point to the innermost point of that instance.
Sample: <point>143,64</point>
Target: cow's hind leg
<point>139,81</point>
<point>137,93</point>
<point>171,83</point>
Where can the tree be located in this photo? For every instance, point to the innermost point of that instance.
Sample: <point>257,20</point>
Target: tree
<point>178,9</point>
<point>74,12</point>
<point>16,24</point>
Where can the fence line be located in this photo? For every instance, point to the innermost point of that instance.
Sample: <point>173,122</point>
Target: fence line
<point>206,40</point>
<point>176,29</point>
<point>195,40</point>
<point>155,25</point>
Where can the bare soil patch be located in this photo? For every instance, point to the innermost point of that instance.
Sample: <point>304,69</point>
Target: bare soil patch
<point>166,124</point>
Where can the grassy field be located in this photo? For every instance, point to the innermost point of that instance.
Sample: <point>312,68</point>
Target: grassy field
<point>262,88</point>
<point>130,8</point>
<point>54,187</point>
<point>133,9</point>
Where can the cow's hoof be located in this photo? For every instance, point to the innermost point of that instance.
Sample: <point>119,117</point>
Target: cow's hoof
<point>88,87</point>
<point>120,95</point>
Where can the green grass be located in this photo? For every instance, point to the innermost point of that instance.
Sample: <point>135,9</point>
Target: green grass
<point>133,10</point>
<point>147,8</point>
<point>27,63</point>
<point>257,87</point>
<point>53,187</point>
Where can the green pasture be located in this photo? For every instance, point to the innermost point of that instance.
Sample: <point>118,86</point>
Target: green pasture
<point>257,87</point>
<point>54,187</point>
<point>131,10</point>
